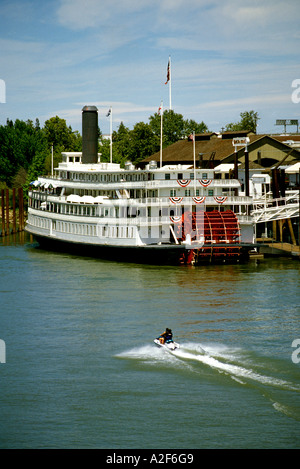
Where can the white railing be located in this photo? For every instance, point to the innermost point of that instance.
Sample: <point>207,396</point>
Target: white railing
<point>269,209</point>
<point>122,183</point>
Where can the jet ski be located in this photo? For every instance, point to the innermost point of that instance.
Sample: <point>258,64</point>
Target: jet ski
<point>169,344</point>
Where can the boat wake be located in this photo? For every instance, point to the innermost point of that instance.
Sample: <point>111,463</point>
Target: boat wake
<point>217,362</point>
<point>233,362</point>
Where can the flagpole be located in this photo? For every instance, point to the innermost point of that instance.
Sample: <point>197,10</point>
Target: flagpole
<point>161,131</point>
<point>194,154</point>
<point>111,134</point>
<point>170,85</point>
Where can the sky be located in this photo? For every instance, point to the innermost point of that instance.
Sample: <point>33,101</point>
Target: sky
<point>227,57</point>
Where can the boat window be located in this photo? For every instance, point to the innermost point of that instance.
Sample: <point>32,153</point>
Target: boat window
<point>167,177</point>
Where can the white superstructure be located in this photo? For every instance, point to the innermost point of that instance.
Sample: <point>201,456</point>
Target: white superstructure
<point>102,204</point>
<point>167,213</point>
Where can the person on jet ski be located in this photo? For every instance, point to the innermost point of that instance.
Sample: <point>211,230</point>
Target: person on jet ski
<point>166,337</point>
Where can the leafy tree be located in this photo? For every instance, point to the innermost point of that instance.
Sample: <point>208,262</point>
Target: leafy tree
<point>60,135</point>
<point>191,126</point>
<point>173,126</point>
<point>19,142</point>
<point>248,122</point>
<point>62,138</point>
<point>122,144</point>
<point>20,178</point>
<point>130,145</point>
<point>144,142</point>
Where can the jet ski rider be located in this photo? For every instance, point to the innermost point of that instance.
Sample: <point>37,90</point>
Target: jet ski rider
<point>166,337</point>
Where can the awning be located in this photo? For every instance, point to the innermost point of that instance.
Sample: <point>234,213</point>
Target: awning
<point>87,199</point>
<point>74,198</point>
<point>100,199</point>
<point>35,183</point>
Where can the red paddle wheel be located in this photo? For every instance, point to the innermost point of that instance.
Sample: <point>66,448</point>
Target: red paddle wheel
<point>219,230</point>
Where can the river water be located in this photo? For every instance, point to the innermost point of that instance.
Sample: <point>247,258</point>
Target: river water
<point>81,369</point>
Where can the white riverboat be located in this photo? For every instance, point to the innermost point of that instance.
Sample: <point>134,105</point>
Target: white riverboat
<point>161,214</point>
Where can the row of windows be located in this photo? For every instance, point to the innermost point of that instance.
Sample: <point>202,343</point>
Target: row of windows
<point>190,192</point>
<point>83,229</point>
<point>87,177</point>
<point>180,176</point>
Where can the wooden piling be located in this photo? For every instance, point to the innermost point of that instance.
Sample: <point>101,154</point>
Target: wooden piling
<point>7,212</point>
<point>21,209</point>
<point>14,228</point>
<point>17,225</point>
<point>292,232</point>
<point>3,212</point>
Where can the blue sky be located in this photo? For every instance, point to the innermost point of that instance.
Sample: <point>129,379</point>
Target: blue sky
<point>228,56</point>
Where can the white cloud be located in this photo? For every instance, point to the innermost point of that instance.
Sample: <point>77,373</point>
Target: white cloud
<point>79,15</point>
<point>249,101</point>
<point>226,55</point>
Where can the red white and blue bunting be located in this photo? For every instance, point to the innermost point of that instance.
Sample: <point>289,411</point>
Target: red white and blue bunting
<point>176,200</point>
<point>205,182</point>
<point>198,200</point>
<point>183,182</point>
<point>175,219</point>
<point>220,199</point>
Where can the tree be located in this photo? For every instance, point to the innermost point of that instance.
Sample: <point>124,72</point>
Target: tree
<point>248,122</point>
<point>19,143</point>
<point>130,145</point>
<point>62,138</point>
<point>144,142</point>
<point>191,126</point>
<point>60,135</point>
<point>174,126</point>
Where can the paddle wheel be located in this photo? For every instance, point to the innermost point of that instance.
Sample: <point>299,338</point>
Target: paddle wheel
<point>218,231</point>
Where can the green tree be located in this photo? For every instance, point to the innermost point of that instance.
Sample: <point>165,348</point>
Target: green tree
<point>62,138</point>
<point>248,122</point>
<point>19,143</point>
<point>191,126</point>
<point>60,135</point>
<point>173,126</point>
<point>122,144</point>
<point>144,142</point>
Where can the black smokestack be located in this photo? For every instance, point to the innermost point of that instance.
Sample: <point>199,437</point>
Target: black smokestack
<point>89,135</point>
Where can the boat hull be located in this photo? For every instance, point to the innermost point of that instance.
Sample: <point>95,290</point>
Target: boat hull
<point>148,254</point>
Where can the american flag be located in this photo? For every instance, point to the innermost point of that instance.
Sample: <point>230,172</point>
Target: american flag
<point>168,72</point>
